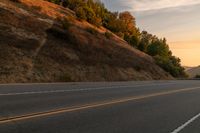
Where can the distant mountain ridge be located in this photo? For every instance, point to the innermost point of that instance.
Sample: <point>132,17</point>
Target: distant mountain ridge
<point>192,72</point>
<point>187,68</point>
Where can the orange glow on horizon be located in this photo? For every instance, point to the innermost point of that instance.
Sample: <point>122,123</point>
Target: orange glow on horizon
<point>188,52</point>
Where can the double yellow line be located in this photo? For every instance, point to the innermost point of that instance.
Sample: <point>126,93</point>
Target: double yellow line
<point>89,106</point>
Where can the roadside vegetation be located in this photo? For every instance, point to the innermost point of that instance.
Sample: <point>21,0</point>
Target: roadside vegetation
<point>91,30</point>
<point>108,35</point>
<point>15,1</point>
<point>123,24</point>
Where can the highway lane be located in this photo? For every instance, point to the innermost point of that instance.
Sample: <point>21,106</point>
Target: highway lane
<point>137,115</point>
<point>194,127</point>
<point>36,102</point>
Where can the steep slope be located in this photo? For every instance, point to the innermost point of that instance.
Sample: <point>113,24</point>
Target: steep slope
<point>192,72</point>
<point>44,42</point>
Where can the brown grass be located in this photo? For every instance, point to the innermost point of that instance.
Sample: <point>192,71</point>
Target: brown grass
<point>40,48</point>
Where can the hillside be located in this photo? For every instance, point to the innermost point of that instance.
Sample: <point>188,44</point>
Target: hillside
<point>44,42</point>
<point>187,68</point>
<point>192,72</point>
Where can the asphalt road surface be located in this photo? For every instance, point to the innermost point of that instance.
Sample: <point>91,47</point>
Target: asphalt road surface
<point>114,107</point>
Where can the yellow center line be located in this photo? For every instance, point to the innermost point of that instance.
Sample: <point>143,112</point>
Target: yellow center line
<point>88,106</point>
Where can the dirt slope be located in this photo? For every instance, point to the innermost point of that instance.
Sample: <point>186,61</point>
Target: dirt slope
<point>34,47</point>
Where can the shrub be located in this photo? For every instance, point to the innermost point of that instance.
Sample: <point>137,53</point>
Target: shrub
<point>61,33</point>
<point>15,1</point>
<point>91,17</point>
<point>65,23</point>
<point>132,40</point>
<point>92,30</point>
<point>171,65</point>
<point>80,13</point>
<point>38,8</point>
<point>120,34</point>
<point>108,35</point>
<point>55,1</point>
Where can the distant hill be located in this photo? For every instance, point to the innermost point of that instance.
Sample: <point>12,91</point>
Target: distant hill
<point>44,42</point>
<point>187,68</point>
<point>192,72</point>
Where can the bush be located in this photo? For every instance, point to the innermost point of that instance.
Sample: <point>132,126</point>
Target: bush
<point>18,1</point>
<point>158,47</point>
<point>65,23</point>
<point>92,30</point>
<point>90,14</point>
<point>108,35</point>
<point>120,34</point>
<point>80,13</point>
<point>132,40</point>
<point>55,1</point>
<point>171,65</point>
<point>60,32</point>
<point>38,8</point>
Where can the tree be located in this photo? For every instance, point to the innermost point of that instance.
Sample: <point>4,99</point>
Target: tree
<point>132,40</point>
<point>90,14</point>
<point>158,47</point>
<point>114,24</point>
<point>129,21</point>
<point>171,65</point>
<point>80,13</point>
<point>73,4</point>
<point>145,41</point>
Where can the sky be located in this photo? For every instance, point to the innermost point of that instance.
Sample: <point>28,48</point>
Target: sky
<point>177,20</point>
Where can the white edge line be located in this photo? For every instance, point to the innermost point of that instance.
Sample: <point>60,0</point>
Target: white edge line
<point>186,124</point>
<point>75,90</point>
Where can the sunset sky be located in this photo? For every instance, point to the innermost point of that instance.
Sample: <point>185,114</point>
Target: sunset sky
<point>178,21</point>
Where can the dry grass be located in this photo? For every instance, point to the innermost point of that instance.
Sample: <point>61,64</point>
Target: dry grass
<point>44,49</point>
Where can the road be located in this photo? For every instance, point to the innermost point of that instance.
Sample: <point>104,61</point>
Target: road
<point>107,107</point>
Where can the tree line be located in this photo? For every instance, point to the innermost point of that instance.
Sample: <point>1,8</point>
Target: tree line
<point>123,24</point>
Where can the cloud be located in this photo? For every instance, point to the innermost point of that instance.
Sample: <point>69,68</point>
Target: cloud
<point>145,5</point>
<point>177,20</point>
